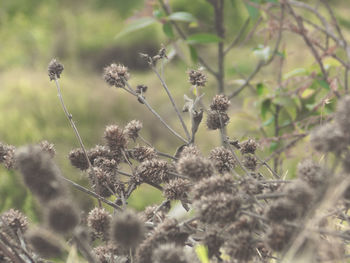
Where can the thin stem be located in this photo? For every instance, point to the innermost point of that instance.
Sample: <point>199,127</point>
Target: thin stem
<point>142,99</point>
<point>172,102</point>
<point>267,166</point>
<point>89,192</point>
<point>240,33</point>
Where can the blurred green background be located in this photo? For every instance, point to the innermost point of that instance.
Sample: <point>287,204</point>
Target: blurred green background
<point>81,34</point>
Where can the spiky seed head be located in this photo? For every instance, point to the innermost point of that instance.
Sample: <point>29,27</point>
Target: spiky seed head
<point>279,236</point>
<point>62,216</point>
<point>281,210</point>
<point>132,129</point>
<point>248,146</point>
<point>312,173</point>
<point>220,103</point>
<point>177,189</point>
<point>7,155</point>
<point>342,114</point>
<point>77,158</point>
<point>217,120</point>
<point>116,137</point>
<point>195,167</point>
<point>241,247</point>
<point>143,153</point>
<point>155,171</point>
<point>127,229</point>
<point>99,151</point>
<point>116,75</point>
<point>328,138</point>
<point>48,148</point>
<point>250,162</point>
<point>197,78</point>
<point>222,159</point>
<point>105,183</point>
<point>169,253</point>
<point>15,220</point>
<point>55,69</point>
<point>99,220</point>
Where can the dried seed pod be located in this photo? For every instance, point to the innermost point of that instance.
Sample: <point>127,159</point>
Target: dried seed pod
<point>62,216</point>
<point>217,119</point>
<point>48,148</point>
<point>248,146</point>
<point>312,173</point>
<point>7,155</point>
<point>55,69</point>
<point>197,78</point>
<point>77,159</point>
<point>169,253</point>
<point>222,159</point>
<point>195,167</point>
<point>155,171</point>
<point>99,220</point>
<point>220,103</point>
<point>116,75</point>
<point>177,189</point>
<point>116,137</point>
<point>15,220</point>
<point>132,129</point>
<point>143,153</point>
<point>250,162</point>
<point>328,138</point>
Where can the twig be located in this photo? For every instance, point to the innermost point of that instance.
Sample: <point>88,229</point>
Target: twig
<point>239,35</point>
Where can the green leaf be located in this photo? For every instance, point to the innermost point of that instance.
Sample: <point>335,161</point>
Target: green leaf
<point>202,253</point>
<point>253,12</point>
<point>260,88</point>
<point>284,101</point>
<point>158,13</point>
<point>265,107</point>
<point>271,1</point>
<point>324,84</point>
<point>136,25</point>
<point>269,121</point>
<point>273,146</point>
<point>168,30</point>
<point>203,39</point>
<point>193,54</point>
<point>295,72</point>
<point>182,16</point>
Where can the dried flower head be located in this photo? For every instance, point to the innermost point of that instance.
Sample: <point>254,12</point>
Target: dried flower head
<point>250,162</point>
<point>190,150</point>
<point>132,129</point>
<point>99,151</point>
<point>62,216</point>
<point>116,75</point>
<point>213,241</point>
<point>222,159</point>
<point>40,173</point>
<point>248,146</point>
<point>197,78</point>
<point>241,247</point>
<point>7,155</point>
<point>116,137</point>
<point>45,243</point>
<point>214,184</point>
<point>328,138</point>
<point>217,119</point>
<point>279,236</point>
<point>127,229</point>
<point>155,171</point>
<point>218,208</point>
<point>195,167</point>
<point>78,159</point>
<point>169,253</point>
<point>15,220</point>
<point>55,69</point>
<point>281,210</point>
<point>342,114</point>
<point>312,173</point>
<point>109,253</point>
<point>99,221</point>
<point>48,148</point>
<point>143,153</point>
<point>220,103</point>
<point>105,183</point>
<point>177,189</point>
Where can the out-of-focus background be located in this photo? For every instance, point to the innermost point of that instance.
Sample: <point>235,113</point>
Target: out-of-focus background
<point>82,35</point>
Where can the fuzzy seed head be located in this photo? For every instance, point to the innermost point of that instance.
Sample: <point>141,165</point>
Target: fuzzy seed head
<point>44,243</point>
<point>220,103</point>
<point>281,210</point>
<point>48,148</point>
<point>116,75</point>
<point>241,247</point>
<point>7,155</point>
<point>155,171</point>
<point>217,120</point>
<point>143,153</point>
<point>328,138</point>
<point>169,253</point>
<point>105,183</point>
<point>62,216</point>
<point>312,173</point>
<point>99,220</point>
<point>197,78</point>
<point>77,159</point>
<point>15,220</point>
<point>342,114</point>
<point>250,162</point>
<point>279,236</point>
<point>132,129</point>
<point>116,137</point>
<point>248,146</point>
<point>55,69</point>
<point>195,167</point>
<point>222,159</point>
<point>176,189</point>
<point>127,229</point>
<point>99,151</point>
<point>190,150</point>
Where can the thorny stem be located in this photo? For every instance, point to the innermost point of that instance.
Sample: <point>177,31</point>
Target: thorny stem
<point>129,90</point>
<point>172,102</point>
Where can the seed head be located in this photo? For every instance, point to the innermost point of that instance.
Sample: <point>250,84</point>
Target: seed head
<point>213,241</point>
<point>127,229</point>
<point>195,167</point>
<point>55,69</point>
<point>15,220</point>
<point>218,208</point>
<point>116,75</point>
<point>342,114</point>
<point>7,155</point>
<point>176,189</point>
<point>312,173</point>
<point>77,159</point>
<point>169,253</point>
<point>217,119</point>
<point>99,151</point>
<point>197,78</point>
<point>281,210</point>
<point>116,137</point>
<point>248,146</point>
<point>39,172</point>
<point>241,247</point>
<point>48,148</point>
<point>105,183</point>
<point>222,159</point>
<point>143,153</point>
<point>220,103</point>
<point>44,242</point>
<point>279,236</point>
<point>214,185</point>
<point>155,171</point>
<point>99,221</point>
<point>328,138</point>
<point>250,162</point>
<point>190,150</point>
<point>62,216</point>
<point>132,129</point>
